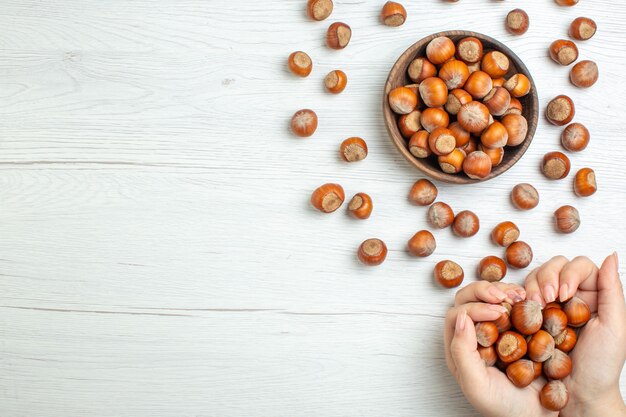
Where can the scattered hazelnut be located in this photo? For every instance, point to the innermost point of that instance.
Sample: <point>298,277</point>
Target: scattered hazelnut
<point>584,74</point>
<point>575,137</point>
<point>449,274</point>
<point>336,81</point>
<point>505,233</point>
<point>304,123</point>
<point>525,196</point>
<point>393,14</point>
<point>300,63</point>
<point>556,165</point>
<point>585,182</point>
<point>338,35</point>
<point>466,223</point>
<point>353,149</point>
<point>328,197</point>
<point>422,244</point>
<point>519,255</point>
<point>361,206</point>
<point>440,215</point>
<point>560,110</point>
<point>582,28</point>
<point>319,9</point>
<point>567,219</point>
<point>491,268</point>
<point>372,252</point>
<point>423,192</point>
<point>563,52</point>
<point>517,22</point>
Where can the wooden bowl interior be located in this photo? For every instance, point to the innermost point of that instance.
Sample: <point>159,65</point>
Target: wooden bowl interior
<point>398,76</point>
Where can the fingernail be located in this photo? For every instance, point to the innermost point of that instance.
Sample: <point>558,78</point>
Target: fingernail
<point>498,308</point>
<point>548,292</point>
<point>514,296</point>
<point>517,298</point>
<point>537,298</point>
<point>521,293</point>
<point>460,321</point>
<point>564,292</point>
<point>616,260</point>
<point>499,294</point>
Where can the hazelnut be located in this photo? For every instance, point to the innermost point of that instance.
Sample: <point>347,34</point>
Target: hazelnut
<point>563,52</point>
<point>497,101</point>
<point>518,85</point>
<point>361,206</point>
<point>319,9</point>
<point>585,182</point>
<point>422,244</point>
<point>558,366</point>
<point>402,100</point>
<point>575,137</point>
<point>466,223</point>
<point>423,192</point>
<point>409,124</point>
<point>560,110</point>
<point>495,63</point>
<point>486,333</point>
<point>477,165</point>
<point>584,74</point>
<point>336,81</point>
<point>517,22</point>
<point>517,128</point>
<point>434,92</point>
<point>525,196</point>
<point>582,28</point>
<point>514,108</point>
<point>495,136</point>
<point>393,14</point>
<point>338,35</point>
<point>505,233</point>
<point>567,219</point>
<point>372,252</point>
<point>300,64</point>
<point>556,165</point>
<point>473,117</point>
<point>449,274</point>
<point>418,145</point>
<point>328,197</point>
<point>454,74</point>
<point>440,215</point>
<point>440,49</point>
<point>461,135</point>
<point>420,69</point>
<point>526,317</point>
<point>491,268</point>
<point>510,346</point>
<point>441,141</point>
<point>469,50</point>
<point>519,255</point>
<point>554,395</point>
<point>495,154</point>
<point>433,118</point>
<point>452,163</point>
<point>479,84</point>
<point>577,312</point>
<point>456,99</point>
<point>304,123</point>
<point>353,149</point>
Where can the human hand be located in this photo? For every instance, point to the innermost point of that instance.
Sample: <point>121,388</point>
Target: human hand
<point>485,387</point>
<point>599,355</point>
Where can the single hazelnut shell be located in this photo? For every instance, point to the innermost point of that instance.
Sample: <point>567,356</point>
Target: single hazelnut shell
<point>495,135</point>
<point>567,219</point>
<point>361,206</point>
<point>319,9</point>
<point>441,141</point>
<point>402,100</point>
<point>338,35</point>
<point>585,182</point>
<point>488,355</point>
<point>554,395</point>
<point>491,268</point>
<point>466,223</point>
<point>556,165</point>
<point>515,107</point>
<point>449,274</point>
<point>454,74</point>
<point>505,233</point>
<point>420,69</point>
<point>409,124</point>
<point>518,85</point>
<point>517,22</point>
<point>479,84</point>
<point>563,51</point>
<point>541,346</point>
<point>469,50</point>
<point>566,340</point>
<point>560,110</point>
<point>575,137</point>
<point>477,165</point>
<point>582,28</point>
<point>577,311</point>
<point>461,135</point>
<point>557,366</point>
<point>473,117</point>
<point>335,81</point>
<point>486,333</point>
<point>353,149</point>
<point>304,123</point>
<point>433,92</point>
<point>418,145</point>
<point>452,163</point>
<point>526,317</point>
<point>457,98</point>
<point>521,373</point>
<point>497,101</point>
<point>328,197</point>
<point>440,215</point>
<point>300,64</point>
<point>510,347</point>
<point>496,155</point>
<point>495,63</point>
<point>433,118</point>
<point>517,128</point>
<point>393,14</point>
<point>440,49</point>
<point>423,192</point>
<point>524,196</point>
<point>372,252</point>
<point>422,244</point>
<point>584,74</point>
<point>519,254</point>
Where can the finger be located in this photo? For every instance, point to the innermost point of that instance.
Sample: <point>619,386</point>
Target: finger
<point>515,293</point>
<point>477,312</point>
<point>479,291</point>
<point>611,306</point>
<point>470,368</point>
<point>590,298</point>
<point>532,287</point>
<point>548,277</point>
<point>580,270</point>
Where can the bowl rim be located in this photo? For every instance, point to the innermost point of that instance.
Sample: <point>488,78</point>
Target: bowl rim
<point>435,173</point>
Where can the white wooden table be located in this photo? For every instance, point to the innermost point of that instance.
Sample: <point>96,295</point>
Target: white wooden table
<point>158,254</point>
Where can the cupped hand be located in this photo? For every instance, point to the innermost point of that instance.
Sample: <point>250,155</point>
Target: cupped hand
<point>486,388</point>
<point>600,352</point>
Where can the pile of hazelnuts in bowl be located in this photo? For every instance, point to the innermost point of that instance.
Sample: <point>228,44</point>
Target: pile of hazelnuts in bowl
<point>531,342</point>
<point>460,106</point>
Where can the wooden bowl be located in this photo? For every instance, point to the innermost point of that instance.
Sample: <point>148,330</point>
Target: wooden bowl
<point>398,77</point>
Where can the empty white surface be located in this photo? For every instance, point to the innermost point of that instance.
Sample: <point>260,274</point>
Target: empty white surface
<point>158,254</point>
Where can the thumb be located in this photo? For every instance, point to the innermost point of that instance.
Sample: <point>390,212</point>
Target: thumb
<point>470,368</point>
<point>611,305</point>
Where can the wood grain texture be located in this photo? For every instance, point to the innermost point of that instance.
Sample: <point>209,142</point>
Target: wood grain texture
<point>158,255</point>
<point>398,77</point>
